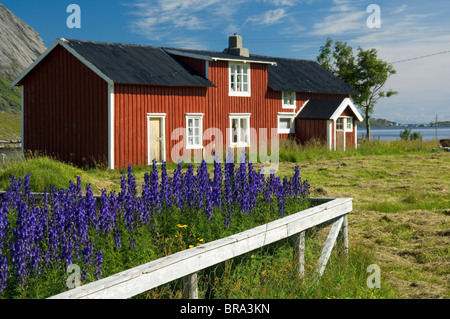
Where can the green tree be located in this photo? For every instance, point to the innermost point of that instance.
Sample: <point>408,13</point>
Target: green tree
<point>365,72</point>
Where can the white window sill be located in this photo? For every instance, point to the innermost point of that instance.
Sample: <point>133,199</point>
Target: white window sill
<point>290,107</point>
<point>284,131</point>
<point>247,94</point>
<point>194,147</point>
<point>239,145</point>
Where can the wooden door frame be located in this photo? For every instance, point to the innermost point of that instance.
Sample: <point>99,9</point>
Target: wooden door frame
<point>162,118</point>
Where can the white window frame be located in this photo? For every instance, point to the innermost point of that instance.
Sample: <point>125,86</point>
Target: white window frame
<point>339,120</point>
<point>288,106</point>
<point>230,75</point>
<point>239,117</point>
<point>349,120</point>
<point>193,117</point>
<point>289,116</point>
<point>345,121</point>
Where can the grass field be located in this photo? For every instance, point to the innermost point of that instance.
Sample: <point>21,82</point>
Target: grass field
<point>400,220</point>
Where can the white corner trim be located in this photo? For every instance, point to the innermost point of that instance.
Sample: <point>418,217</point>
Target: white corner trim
<point>111,126</point>
<point>329,133</point>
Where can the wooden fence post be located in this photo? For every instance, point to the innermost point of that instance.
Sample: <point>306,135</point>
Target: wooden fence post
<point>190,286</point>
<point>299,253</point>
<point>344,236</point>
<point>328,247</point>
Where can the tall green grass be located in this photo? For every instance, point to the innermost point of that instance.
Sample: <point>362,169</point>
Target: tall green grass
<point>313,150</point>
<point>270,273</point>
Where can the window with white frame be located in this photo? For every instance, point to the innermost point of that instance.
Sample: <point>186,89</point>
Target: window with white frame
<point>344,124</point>
<point>239,79</point>
<point>240,130</point>
<point>194,131</point>
<point>349,124</point>
<point>285,123</point>
<point>288,100</point>
<point>340,124</point>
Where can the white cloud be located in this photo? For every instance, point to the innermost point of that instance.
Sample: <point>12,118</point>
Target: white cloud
<point>340,23</point>
<point>399,9</point>
<point>283,3</point>
<point>269,17</point>
<point>159,19</point>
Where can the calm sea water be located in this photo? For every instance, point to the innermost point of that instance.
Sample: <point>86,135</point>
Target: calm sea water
<point>393,133</point>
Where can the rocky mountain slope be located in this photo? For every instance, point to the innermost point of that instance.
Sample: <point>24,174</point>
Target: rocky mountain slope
<point>20,45</point>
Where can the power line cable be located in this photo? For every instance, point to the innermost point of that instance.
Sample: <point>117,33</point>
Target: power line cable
<point>421,57</point>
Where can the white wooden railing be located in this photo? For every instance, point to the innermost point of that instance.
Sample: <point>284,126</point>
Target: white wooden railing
<point>187,263</point>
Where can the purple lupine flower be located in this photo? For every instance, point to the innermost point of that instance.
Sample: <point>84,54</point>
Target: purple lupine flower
<point>88,251</point>
<point>3,273</point>
<point>154,188</point>
<point>98,264</point>
<point>27,189</point>
<point>106,215</point>
<point>280,194</point>
<point>202,183</point>
<point>131,181</point>
<point>164,191</point>
<point>296,183</point>
<point>90,210</point>
<point>229,186</point>
<point>20,249</point>
<point>123,189</point>
<point>4,224</point>
<point>177,186</point>
<point>217,184</point>
<point>189,186</point>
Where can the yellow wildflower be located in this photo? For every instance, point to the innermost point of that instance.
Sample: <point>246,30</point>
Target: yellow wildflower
<point>182,226</point>
<point>191,246</point>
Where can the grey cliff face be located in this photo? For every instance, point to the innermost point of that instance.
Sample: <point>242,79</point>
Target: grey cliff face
<point>20,44</point>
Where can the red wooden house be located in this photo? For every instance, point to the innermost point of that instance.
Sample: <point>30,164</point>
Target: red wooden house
<point>126,104</point>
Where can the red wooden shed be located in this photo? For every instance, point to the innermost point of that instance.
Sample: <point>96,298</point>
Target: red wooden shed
<point>90,102</point>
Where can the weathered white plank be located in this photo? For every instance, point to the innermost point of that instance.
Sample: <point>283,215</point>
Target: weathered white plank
<point>328,247</point>
<point>158,272</point>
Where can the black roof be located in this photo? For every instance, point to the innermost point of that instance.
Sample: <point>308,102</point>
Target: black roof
<point>143,64</point>
<point>319,109</point>
<point>288,74</point>
<point>303,76</point>
<point>209,55</point>
<point>137,64</point>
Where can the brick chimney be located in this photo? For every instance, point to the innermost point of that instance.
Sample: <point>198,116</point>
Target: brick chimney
<point>235,46</point>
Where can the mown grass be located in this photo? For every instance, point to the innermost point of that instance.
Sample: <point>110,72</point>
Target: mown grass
<point>396,186</point>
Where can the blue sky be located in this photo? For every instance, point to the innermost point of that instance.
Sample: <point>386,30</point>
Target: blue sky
<point>283,28</point>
